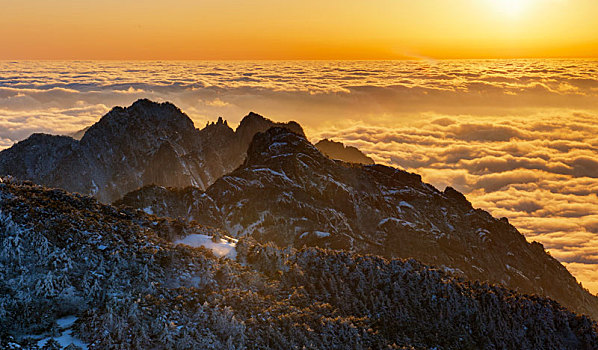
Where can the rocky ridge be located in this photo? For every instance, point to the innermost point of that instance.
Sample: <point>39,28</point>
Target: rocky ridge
<point>287,192</point>
<point>146,143</point>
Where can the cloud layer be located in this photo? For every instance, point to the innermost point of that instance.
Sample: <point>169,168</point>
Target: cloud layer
<point>520,138</point>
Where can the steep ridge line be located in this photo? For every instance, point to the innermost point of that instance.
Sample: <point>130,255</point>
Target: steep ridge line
<point>287,192</point>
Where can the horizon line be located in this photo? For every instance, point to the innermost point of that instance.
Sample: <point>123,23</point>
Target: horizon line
<point>309,59</point>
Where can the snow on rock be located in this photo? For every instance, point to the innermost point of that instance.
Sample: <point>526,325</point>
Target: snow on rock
<point>483,234</point>
<point>221,248</point>
<point>385,220</point>
<point>405,204</point>
<point>321,234</point>
<point>453,271</point>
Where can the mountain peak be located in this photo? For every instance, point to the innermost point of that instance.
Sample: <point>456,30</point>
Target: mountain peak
<point>253,116</point>
<point>337,150</point>
<point>143,117</point>
<point>129,147</point>
<point>144,103</point>
<point>219,122</point>
<point>279,141</point>
<point>254,122</point>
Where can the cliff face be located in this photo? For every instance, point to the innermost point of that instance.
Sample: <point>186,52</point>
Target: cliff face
<point>146,143</point>
<point>287,192</point>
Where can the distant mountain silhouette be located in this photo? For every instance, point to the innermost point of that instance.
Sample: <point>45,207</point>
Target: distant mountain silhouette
<point>289,193</point>
<point>146,143</point>
<point>337,150</point>
<point>77,135</point>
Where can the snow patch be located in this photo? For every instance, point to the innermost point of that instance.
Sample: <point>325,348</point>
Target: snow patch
<point>66,322</point>
<point>277,144</point>
<point>321,234</point>
<point>94,188</point>
<point>483,234</point>
<point>398,221</point>
<point>512,269</point>
<point>273,173</point>
<point>384,221</point>
<point>221,248</point>
<point>405,204</point>
<point>453,270</point>
<point>66,338</point>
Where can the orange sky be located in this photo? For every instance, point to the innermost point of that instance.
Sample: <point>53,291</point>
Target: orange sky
<point>307,29</point>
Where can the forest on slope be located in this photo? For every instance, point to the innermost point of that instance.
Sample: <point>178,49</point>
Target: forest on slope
<point>130,287</point>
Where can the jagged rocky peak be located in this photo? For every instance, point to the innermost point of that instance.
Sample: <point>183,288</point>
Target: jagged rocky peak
<point>219,124</point>
<point>221,121</point>
<point>458,198</point>
<point>279,141</point>
<point>337,150</point>
<point>220,138</point>
<point>253,123</point>
<point>141,118</point>
<point>130,147</point>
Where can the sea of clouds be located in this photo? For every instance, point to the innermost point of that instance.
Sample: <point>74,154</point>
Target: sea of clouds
<point>518,137</point>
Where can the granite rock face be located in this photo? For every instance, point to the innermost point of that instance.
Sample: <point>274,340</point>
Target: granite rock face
<point>146,143</point>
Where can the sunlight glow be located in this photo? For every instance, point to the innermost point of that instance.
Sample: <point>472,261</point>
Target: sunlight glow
<point>511,7</point>
<point>309,29</point>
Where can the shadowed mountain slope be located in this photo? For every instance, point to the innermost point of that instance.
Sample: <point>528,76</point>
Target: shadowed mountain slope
<point>287,192</point>
<point>116,275</point>
<point>146,143</point>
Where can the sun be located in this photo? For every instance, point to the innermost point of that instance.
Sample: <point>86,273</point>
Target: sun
<point>510,7</point>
